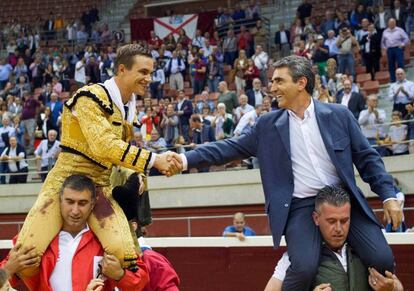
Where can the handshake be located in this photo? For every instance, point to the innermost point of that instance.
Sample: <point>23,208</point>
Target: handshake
<point>168,163</point>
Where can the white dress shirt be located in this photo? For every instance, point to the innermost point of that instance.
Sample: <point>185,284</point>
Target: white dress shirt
<point>346,98</point>
<point>258,97</point>
<point>370,124</point>
<point>283,37</point>
<point>401,98</point>
<point>61,278</point>
<point>245,120</point>
<point>312,167</point>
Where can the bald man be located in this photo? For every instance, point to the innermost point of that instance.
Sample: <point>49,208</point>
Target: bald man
<point>239,228</point>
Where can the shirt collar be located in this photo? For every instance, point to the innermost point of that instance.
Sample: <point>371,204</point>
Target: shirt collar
<point>309,112</point>
<point>64,233</point>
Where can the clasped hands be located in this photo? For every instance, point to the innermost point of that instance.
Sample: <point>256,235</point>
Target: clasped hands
<point>168,163</point>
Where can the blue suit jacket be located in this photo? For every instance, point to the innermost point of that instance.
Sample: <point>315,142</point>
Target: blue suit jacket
<point>269,141</point>
<point>57,110</point>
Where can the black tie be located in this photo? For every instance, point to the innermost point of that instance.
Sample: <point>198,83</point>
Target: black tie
<point>126,112</point>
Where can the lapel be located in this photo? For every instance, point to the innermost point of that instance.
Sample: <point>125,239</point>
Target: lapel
<point>282,126</point>
<point>324,118</point>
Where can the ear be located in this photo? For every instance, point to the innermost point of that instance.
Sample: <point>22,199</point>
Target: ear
<point>121,68</point>
<point>315,217</point>
<point>302,82</point>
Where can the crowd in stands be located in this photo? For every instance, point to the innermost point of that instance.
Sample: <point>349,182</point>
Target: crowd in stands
<point>207,88</point>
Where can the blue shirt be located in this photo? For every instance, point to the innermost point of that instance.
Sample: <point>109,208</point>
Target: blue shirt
<point>247,231</point>
<point>5,71</point>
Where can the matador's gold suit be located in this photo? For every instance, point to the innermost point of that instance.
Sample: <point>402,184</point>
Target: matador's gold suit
<point>94,138</point>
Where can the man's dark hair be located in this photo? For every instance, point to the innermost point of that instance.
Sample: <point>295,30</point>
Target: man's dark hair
<point>125,55</point>
<point>298,67</point>
<point>3,278</point>
<point>332,195</point>
<point>79,182</point>
<point>196,118</point>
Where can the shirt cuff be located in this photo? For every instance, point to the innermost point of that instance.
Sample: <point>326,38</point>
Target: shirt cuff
<point>392,198</point>
<point>185,163</point>
<point>151,162</point>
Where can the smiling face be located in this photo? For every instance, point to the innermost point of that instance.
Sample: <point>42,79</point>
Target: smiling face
<point>138,77</point>
<point>284,88</point>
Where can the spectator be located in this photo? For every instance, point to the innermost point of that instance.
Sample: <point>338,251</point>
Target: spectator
<point>20,69</point>
<point>238,13</point>
<point>169,124</point>
<point>381,19</point>
<point>330,42</point>
<point>260,34</point>
<point>202,132</point>
<point>371,121</point>
<point>363,31</point>
<point>302,51</point>
<point>328,23</point>
<point>229,98</point>
<point>156,143</point>
<point>244,40</point>
<point>282,41</point>
<point>251,73</point>
<point>296,31</point>
<point>354,101</point>
<point>239,228</point>
<point>243,107</point>
<point>240,66</point>
<point>6,132</point>
<point>80,73</point>
<point>56,108</point>
<point>15,157</point>
<point>183,39</point>
<point>410,116</point>
<point>47,153</point>
<point>357,15</point>
<point>409,22</point>
<point>138,140</point>
<point>173,70</point>
<point>248,120</point>
<point>57,86</point>
<point>320,55</point>
<point>82,36</point>
<point>92,71</point>
<point>149,121</point>
<point>19,128</point>
<point>401,92</point>
<point>184,110</point>
<point>397,135</point>
<point>393,41</point>
<point>44,123</point>
<point>204,101</point>
<point>399,14</point>
<point>207,48</point>
<point>256,94</point>
<point>261,59</point>
<point>371,50</point>
<point>346,43</point>
<point>304,10</point>
<point>170,42</point>
<point>253,10</point>
<point>213,73</point>
<point>5,73</point>
<point>222,123</point>
<point>37,69</point>
<point>21,86</point>
<point>308,29</point>
<point>200,68</point>
<point>230,48</point>
<point>198,40</point>
<point>158,81</point>
<point>341,21</point>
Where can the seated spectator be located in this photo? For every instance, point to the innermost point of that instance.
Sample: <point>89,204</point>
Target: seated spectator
<point>202,132</point>
<point>180,144</point>
<point>204,101</point>
<point>401,92</point>
<point>15,157</point>
<point>243,108</point>
<point>156,144</point>
<point>77,246</point>
<point>227,97</point>
<point>169,125</point>
<point>397,134</point>
<point>354,101</point>
<point>248,120</point>
<point>222,123</point>
<point>256,94</point>
<point>239,228</point>
<point>47,153</point>
<point>206,116</point>
<point>138,140</point>
<point>340,268</point>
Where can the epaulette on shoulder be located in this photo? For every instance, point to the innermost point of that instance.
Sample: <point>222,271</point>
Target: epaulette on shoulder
<point>97,92</point>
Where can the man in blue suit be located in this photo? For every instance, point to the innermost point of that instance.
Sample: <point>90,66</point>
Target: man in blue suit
<point>301,148</point>
<point>56,107</point>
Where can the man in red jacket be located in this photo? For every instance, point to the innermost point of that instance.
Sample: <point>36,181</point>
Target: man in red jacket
<point>75,256</point>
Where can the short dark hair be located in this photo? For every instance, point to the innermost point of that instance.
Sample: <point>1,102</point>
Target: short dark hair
<point>125,55</point>
<point>196,118</point>
<point>298,67</point>
<point>3,278</point>
<point>332,195</point>
<point>79,182</point>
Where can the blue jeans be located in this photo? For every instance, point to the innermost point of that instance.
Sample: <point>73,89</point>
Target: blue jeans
<point>213,84</point>
<point>394,54</point>
<point>346,64</point>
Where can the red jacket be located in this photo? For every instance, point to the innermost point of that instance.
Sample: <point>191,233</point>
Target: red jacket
<point>82,268</point>
<point>162,274</point>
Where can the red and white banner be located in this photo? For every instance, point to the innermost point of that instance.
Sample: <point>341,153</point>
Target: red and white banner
<point>165,26</point>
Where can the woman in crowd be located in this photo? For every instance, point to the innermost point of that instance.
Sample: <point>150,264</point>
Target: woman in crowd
<point>240,66</point>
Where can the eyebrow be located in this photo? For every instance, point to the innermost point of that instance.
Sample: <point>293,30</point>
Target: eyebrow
<point>277,79</point>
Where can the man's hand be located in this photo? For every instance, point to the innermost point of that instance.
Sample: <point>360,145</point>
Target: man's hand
<point>111,267</point>
<point>95,285</point>
<point>168,163</point>
<point>380,283</point>
<point>323,287</point>
<point>393,213</point>
<point>21,258</point>
<point>240,236</point>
